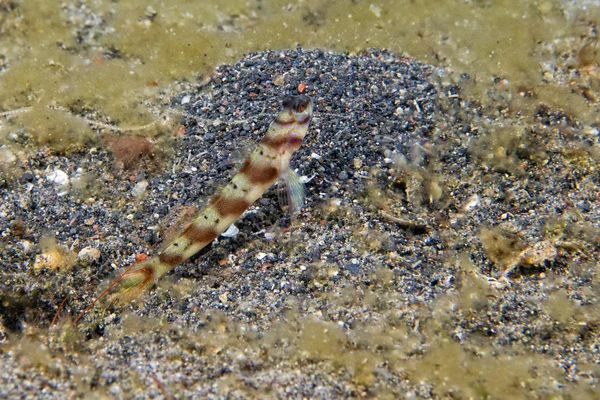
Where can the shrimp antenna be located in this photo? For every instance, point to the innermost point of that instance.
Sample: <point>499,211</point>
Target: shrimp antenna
<point>103,294</point>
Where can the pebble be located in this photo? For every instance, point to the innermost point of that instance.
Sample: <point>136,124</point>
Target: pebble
<point>27,177</point>
<point>352,268</point>
<point>270,235</point>
<point>139,188</point>
<point>7,157</point>
<point>27,245</point>
<point>89,254</point>
<point>115,390</point>
<point>58,177</point>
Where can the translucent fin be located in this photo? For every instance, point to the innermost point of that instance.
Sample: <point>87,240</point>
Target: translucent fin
<point>293,192</point>
<point>242,152</point>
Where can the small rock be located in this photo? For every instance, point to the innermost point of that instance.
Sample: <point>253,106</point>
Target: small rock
<point>223,297</point>
<point>140,188</point>
<point>89,254</point>
<point>27,177</point>
<point>358,163</point>
<point>7,157</point>
<point>270,236</point>
<point>352,267</point>
<point>27,245</point>
<point>115,390</point>
<point>58,177</point>
<point>471,203</point>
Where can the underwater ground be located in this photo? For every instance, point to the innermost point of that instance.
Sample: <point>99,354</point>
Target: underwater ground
<point>450,238</point>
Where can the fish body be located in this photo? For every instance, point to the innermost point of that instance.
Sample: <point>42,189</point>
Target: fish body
<point>267,163</point>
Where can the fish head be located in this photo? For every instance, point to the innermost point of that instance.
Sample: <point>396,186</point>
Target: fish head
<point>300,108</point>
<point>289,127</point>
<point>291,124</point>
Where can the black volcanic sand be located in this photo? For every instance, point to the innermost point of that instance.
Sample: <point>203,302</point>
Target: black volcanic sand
<point>444,250</point>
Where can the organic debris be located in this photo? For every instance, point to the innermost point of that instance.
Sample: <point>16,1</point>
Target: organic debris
<point>132,152</point>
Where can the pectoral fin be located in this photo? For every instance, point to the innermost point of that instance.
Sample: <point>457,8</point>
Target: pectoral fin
<point>292,189</point>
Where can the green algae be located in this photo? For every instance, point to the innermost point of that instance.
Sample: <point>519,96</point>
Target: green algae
<point>141,47</point>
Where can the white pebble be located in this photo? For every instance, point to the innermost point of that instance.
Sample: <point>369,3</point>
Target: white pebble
<point>58,177</point>
<point>89,254</point>
<point>139,188</point>
<point>471,203</point>
<point>7,157</point>
<point>115,390</point>
<point>26,244</point>
<point>270,235</point>
<point>61,179</point>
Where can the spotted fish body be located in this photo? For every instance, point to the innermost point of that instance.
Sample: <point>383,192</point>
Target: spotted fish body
<point>268,162</point>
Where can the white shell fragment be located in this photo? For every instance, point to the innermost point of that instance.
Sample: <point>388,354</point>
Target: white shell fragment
<point>61,179</point>
<point>231,231</point>
<point>58,177</point>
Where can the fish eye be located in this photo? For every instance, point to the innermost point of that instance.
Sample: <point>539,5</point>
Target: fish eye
<point>301,103</point>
